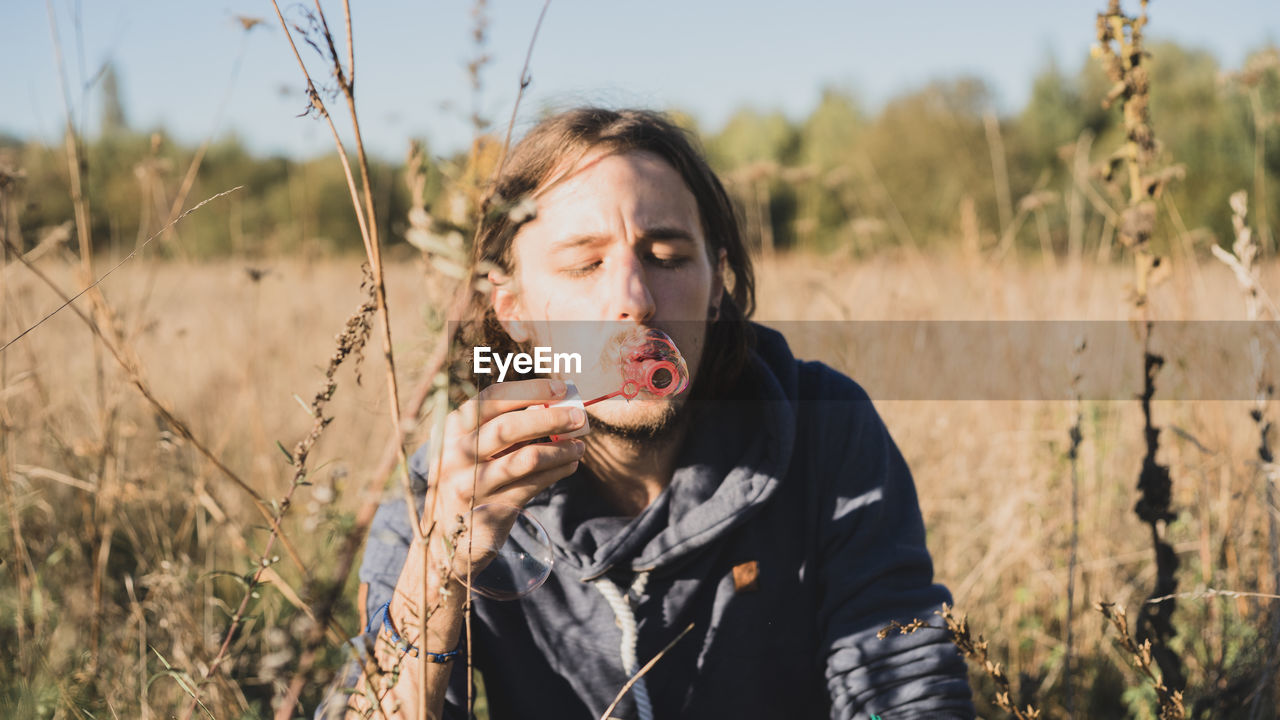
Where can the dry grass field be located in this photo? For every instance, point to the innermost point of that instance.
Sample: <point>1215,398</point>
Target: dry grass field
<point>126,545</point>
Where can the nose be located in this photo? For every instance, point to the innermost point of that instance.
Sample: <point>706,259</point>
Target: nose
<point>630,298</point>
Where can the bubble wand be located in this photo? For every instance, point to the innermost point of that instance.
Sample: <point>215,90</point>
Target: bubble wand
<point>650,362</point>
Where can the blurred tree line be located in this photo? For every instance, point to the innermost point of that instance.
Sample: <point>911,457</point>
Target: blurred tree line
<point>933,167</point>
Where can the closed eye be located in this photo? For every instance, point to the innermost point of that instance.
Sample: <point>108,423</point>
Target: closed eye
<point>581,270</point>
<point>669,262</point>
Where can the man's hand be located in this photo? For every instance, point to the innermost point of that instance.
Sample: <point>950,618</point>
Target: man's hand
<point>490,456</point>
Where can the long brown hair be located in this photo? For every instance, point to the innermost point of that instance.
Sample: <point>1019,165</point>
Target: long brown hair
<point>558,142</point>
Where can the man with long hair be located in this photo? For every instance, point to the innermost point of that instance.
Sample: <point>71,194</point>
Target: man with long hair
<point>766,507</point>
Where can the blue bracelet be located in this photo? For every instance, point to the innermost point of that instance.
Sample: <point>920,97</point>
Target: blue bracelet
<point>399,642</point>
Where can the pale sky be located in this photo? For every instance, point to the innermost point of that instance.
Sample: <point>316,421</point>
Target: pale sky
<point>175,58</point>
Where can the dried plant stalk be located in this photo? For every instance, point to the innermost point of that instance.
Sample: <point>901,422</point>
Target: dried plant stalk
<point>367,220</point>
<point>1123,56</point>
<point>1170,699</point>
<point>1242,259</point>
<point>1073,457</point>
<point>974,649</point>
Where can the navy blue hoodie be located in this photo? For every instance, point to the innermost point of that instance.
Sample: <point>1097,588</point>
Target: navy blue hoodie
<point>789,535</point>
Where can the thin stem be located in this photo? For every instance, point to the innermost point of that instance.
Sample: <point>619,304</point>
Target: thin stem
<point>525,79</point>
<point>642,672</point>
<point>318,104</point>
<point>1259,168</point>
<point>351,48</point>
<point>1074,456</point>
<point>189,178</point>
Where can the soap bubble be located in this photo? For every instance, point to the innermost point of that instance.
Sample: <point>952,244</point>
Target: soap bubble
<point>517,568</point>
<point>651,362</point>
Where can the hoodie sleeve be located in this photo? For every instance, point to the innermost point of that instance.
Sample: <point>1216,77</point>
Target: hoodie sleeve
<point>385,551</point>
<point>876,568</point>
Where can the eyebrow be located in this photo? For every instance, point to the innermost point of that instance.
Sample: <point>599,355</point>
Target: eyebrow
<point>664,232</point>
<point>661,232</point>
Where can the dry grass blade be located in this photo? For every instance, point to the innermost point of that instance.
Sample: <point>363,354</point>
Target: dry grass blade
<point>1213,592</point>
<point>55,476</point>
<point>641,673</point>
<point>68,300</point>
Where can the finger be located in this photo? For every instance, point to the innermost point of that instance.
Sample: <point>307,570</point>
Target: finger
<point>508,432</point>
<point>477,484</point>
<point>504,397</point>
<point>525,463</point>
<point>520,492</point>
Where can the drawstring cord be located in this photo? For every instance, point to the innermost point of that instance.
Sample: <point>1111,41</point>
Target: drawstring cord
<point>627,622</point>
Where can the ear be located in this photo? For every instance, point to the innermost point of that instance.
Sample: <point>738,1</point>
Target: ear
<point>505,298</point>
<point>717,278</point>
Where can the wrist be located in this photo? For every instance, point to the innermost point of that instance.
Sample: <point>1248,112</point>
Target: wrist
<point>397,638</point>
<point>420,593</point>
<point>424,578</point>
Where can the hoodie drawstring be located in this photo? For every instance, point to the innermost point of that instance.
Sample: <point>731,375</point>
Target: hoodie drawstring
<point>627,622</point>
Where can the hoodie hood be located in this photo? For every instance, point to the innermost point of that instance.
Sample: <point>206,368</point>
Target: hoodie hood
<point>733,459</point>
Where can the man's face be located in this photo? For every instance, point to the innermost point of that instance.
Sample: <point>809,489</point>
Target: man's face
<point>616,244</point>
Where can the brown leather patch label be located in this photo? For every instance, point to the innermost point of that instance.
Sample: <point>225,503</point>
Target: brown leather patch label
<point>746,576</point>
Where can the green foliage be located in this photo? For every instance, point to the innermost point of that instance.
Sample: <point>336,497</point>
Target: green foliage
<point>750,137</point>
<point>841,178</point>
<point>828,142</point>
<point>1192,113</point>
<point>134,180</point>
<point>929,150</point>
<point>834,127</point>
